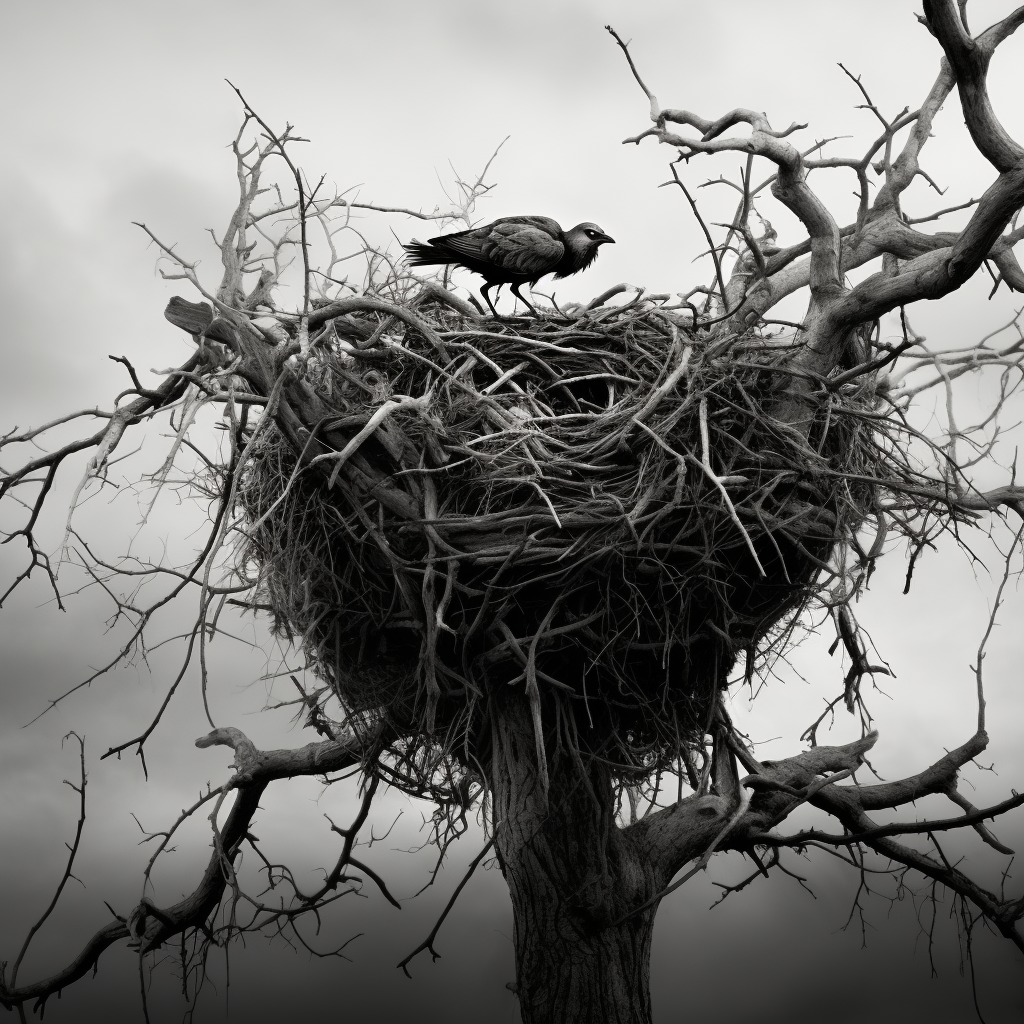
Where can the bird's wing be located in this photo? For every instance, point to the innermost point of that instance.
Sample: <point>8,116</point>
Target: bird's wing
<point>471,245</point>
<point>519,247</point>
<point>552,227</point>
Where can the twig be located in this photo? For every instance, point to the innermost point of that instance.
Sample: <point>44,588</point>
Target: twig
<point>72,853</point>
<point>428,942</point>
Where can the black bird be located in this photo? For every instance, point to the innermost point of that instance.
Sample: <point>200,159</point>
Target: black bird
<point>513,251</point>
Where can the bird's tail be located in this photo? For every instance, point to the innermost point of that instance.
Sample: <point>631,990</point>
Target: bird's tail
<point>426,254</point>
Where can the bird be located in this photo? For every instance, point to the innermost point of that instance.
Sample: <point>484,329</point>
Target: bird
<point>513,251</point>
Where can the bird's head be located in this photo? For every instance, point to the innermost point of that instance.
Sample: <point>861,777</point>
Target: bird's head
<point>582,243</point>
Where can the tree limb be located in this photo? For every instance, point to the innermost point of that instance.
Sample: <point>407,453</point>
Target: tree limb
<point>255,769</point>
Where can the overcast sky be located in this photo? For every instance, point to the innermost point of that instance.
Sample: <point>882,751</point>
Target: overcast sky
<point>115,112</point>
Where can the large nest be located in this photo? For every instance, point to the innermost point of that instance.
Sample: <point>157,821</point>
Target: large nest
<point>609,511</point>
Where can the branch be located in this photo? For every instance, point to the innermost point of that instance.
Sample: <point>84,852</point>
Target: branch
<point>938,778</point>
<point>716,840</point>
<point>936,274</point>
<point>896,829</point>
<point>104,441</point>
<point>428,942</point>
<point>789,186</point>
<point>969,60</point>
<point>655,108</point>
<point>255,767</point>
<point>72,853</point>
<point>151,926</point>
<point>775,781</point>
<point>675,835</point>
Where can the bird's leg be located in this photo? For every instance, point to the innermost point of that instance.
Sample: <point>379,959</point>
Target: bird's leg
<point>483,291</point>
<point>515,291</point>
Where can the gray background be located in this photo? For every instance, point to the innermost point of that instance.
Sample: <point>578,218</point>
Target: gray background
<point>114,112</point>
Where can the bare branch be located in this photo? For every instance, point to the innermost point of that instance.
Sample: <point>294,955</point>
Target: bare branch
<point>72,853</point>
<point>428,943</point>
<point>150,926</point>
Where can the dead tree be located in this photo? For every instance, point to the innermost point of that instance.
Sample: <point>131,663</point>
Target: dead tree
<point>523,557</point>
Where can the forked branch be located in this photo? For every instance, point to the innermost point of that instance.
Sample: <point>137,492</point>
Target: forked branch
<point>148,926</point>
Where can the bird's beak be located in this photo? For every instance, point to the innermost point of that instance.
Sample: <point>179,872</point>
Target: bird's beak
<point>605,238</point>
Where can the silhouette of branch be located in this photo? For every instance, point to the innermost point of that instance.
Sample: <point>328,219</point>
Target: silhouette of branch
<point>148,926</point>
<point>428,942</point>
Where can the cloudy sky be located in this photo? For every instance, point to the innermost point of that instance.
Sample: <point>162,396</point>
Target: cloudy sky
<point>115,112</point>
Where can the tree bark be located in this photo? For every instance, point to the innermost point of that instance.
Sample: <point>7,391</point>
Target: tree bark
<point>573,874</point>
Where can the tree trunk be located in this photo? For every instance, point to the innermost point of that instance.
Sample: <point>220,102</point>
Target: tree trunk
<point>573,875</point>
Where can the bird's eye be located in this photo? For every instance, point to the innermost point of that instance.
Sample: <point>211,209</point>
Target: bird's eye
<point>591,234</point>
